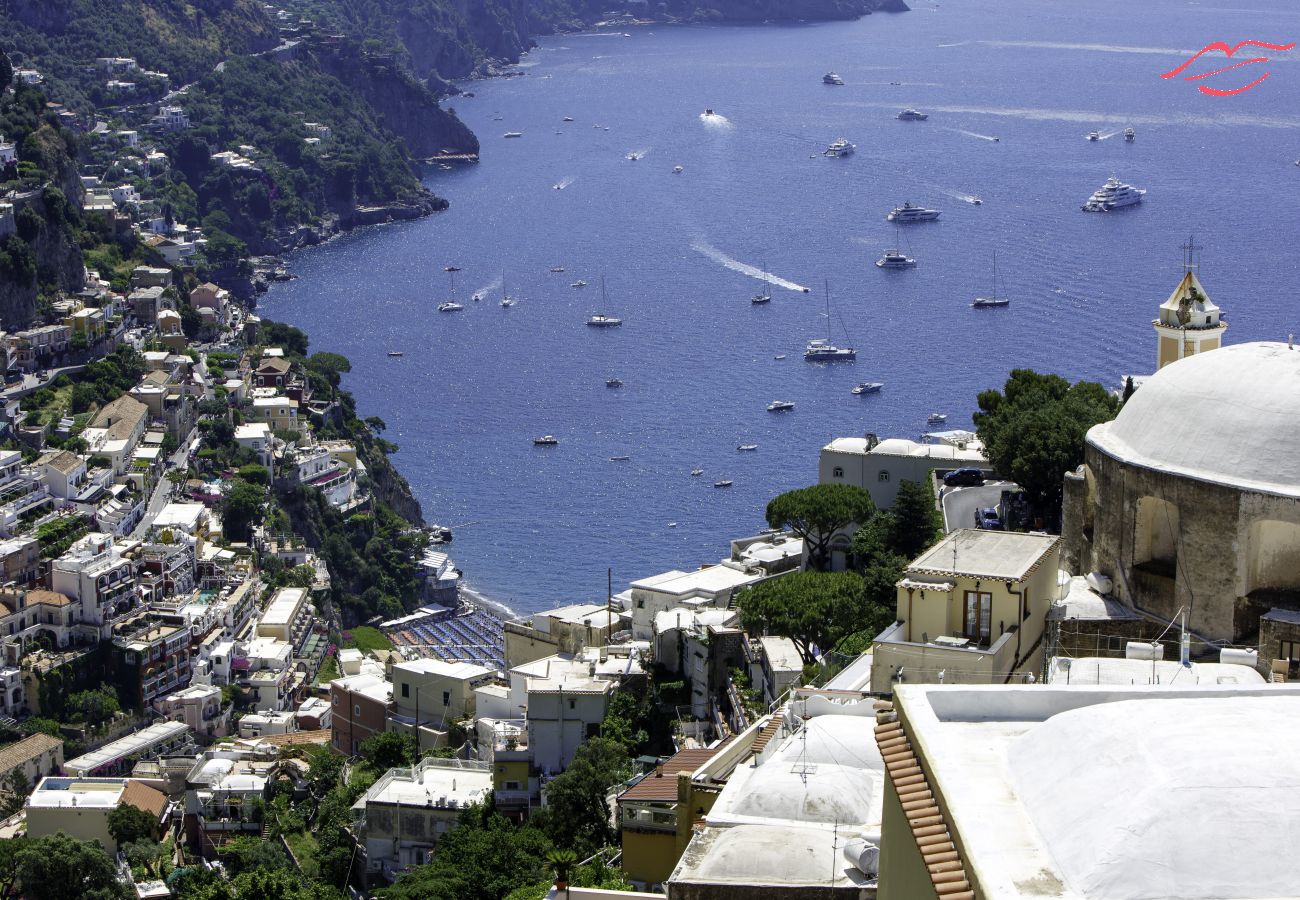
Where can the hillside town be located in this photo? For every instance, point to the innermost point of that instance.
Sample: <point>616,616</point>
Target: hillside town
<point>234,665</point>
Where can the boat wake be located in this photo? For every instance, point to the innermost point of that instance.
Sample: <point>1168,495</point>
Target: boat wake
<point>974,134</point>
<point>956,195</point>
<point>736,265</point>
<point>484,292</point>
<point>639,153</point>
<point>714,120</point>
<point>958,44</point>
<point>1108,135</point>
<point>563,183</point>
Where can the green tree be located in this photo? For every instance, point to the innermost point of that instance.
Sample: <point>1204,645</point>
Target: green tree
<point>58,867</point>
<point>816,513</point>
<point>914,520</point>
<point>577,811</point>
<point>483,858</point>
<point>280,884</point>
<point>82,398</point>
<point>241,508</point>
<point>813,609</point>
<point>128,824</point>
<point>13,793</point>
<point>1033,431</point>
<point>331,366</point>
<point>247,854</point>
<point>96,706</point>
<point>388,750</point>
<point>6,72</point>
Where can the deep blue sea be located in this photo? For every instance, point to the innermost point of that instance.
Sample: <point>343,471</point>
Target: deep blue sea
<point>537,526</point>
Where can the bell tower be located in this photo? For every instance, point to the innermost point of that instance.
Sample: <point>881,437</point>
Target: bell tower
<point>1189,322</point>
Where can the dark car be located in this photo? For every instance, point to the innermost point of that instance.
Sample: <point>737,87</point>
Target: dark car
<point>964,478</point>
<point>988,518</point>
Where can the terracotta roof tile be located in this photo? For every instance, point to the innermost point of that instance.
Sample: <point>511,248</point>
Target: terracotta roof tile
<point>141,796</point>
<point>14,755</point>
<point>661,784</point>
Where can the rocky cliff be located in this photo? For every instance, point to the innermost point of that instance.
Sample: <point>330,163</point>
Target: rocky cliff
<point>42,252</point>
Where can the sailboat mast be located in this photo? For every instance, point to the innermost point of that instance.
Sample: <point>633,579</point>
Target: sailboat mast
<point>828,310</point>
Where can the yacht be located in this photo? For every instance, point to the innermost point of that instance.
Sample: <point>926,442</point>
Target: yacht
<point>936,419</point>
<point>450,306</point>
<point>779,356</point>
<point>394,352</point>
<point>696,472</point>
<point>600,320</point>
<point>761,297</point>
<point>780,405</point>
<point>895,259</point>
<point>911,115</point>
<point>1114,194</point>
<point>568,118</point>
<point>619,458</point>
<point>557,268</point>
<point>634,156</point>
<point>614,382</point>
<point>709,112</point>
<point>832,78</point>
<point>578,284</point>
<point>868,387</point>
<point>908,213</point>
<point>839,148</point>
<point>513,134</point>
<point>745,448</point>
<point>507,301</point>
<point>993,300</point>
<point>819,350</point>
<point>1129,135</point>
<point>975,201</point>
<point>726,482</point>
<point>1094,135</point>
<point>677,170</point>
<point>546,440</point>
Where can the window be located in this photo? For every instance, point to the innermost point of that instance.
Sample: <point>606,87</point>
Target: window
<point>837,472</point>
<point>356,710</point>
<point>1026,612</point>
<point>1288,650</point>
<point>572,705</point>
<point>979,613</point>
<point>640,604</point>
<point>406,689</point>
<point>446,698</point>
<point>882,475</point>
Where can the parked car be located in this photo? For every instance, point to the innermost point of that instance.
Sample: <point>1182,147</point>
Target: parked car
<point>964,478</point>
<point>988,518</point>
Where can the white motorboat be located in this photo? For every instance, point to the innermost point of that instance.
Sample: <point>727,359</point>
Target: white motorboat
<point>975,201</point>
<point>907,214</point>
<point>568,118</point>
<point>450,306</point>
<point>779,356</point>
<point>696,472</point>
<point>780,405</point>
<point>1129,135</point>
<point>557,268</point>
<point>868,387</point>
<point>911,115</point>
<point>832,78</point>
<point>579,284</point>
<point>936,419</point>
<point>613,382</point>
<point>840,148</point>
<point>1094,135</point>
<point>677,170</point>
<point>634,156</point>
<point>746,448</point>
<point>1114,194</point>
<point>726,482</point>
<point>394,352</point>
<point>993,300</point>
<point>507,302</point>
<point>546,440</point>
<point>513,134</point>
<point>619,458</point>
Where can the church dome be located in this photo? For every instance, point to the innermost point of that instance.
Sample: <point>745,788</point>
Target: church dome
<point>1229,416</point>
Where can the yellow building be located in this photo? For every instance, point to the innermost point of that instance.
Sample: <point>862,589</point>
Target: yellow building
<point>1189,323</point>
<point>971,609</point>
<point>648,815</point>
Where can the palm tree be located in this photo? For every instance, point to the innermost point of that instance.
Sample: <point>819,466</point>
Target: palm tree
<point>562,860</point>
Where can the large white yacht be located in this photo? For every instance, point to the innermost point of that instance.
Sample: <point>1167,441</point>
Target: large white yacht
<point>1114,194</point>
<point>832,78</point>
<point>911,115</point>
<point>840,147</point>
<point>908,213</point>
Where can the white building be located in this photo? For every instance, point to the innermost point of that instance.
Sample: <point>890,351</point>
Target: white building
<point>171,118</point>
<point>565,699</point>
<point>878,466</point>
<point>159,739</point>
<point>407,811</point>
<point>712,586</point>
<point>97,578</point>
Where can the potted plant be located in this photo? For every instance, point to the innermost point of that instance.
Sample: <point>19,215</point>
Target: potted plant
<point>562,860</point>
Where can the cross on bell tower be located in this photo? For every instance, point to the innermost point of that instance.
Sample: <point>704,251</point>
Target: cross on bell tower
<point>1189,322</point>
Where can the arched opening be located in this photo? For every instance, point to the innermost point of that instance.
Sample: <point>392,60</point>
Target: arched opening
<point>841,546</point>
<point>1155,539</point>
<point>1273,557</point>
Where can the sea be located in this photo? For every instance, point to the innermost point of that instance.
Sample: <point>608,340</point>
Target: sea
<point>1012,88</point>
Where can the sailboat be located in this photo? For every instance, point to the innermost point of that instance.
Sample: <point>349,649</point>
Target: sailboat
<point>764,295</point>
<point>895,258</point>
<point>600,320</point>
<point>506,300</point>
<point>819,350</point>
<point>994,299</point>
<point>451,305</point>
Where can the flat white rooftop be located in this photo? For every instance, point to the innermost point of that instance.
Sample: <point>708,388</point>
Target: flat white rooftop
<point>458,670</point>
<point>1169,673</point>
<point>1006,555</point>
<point>1114,793</point>
<point>712,580</point>
<point>437,782</point>
<point>284,606</point>
<point>139,742</point>
<point>55,793</point>
<point>904,447</point>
